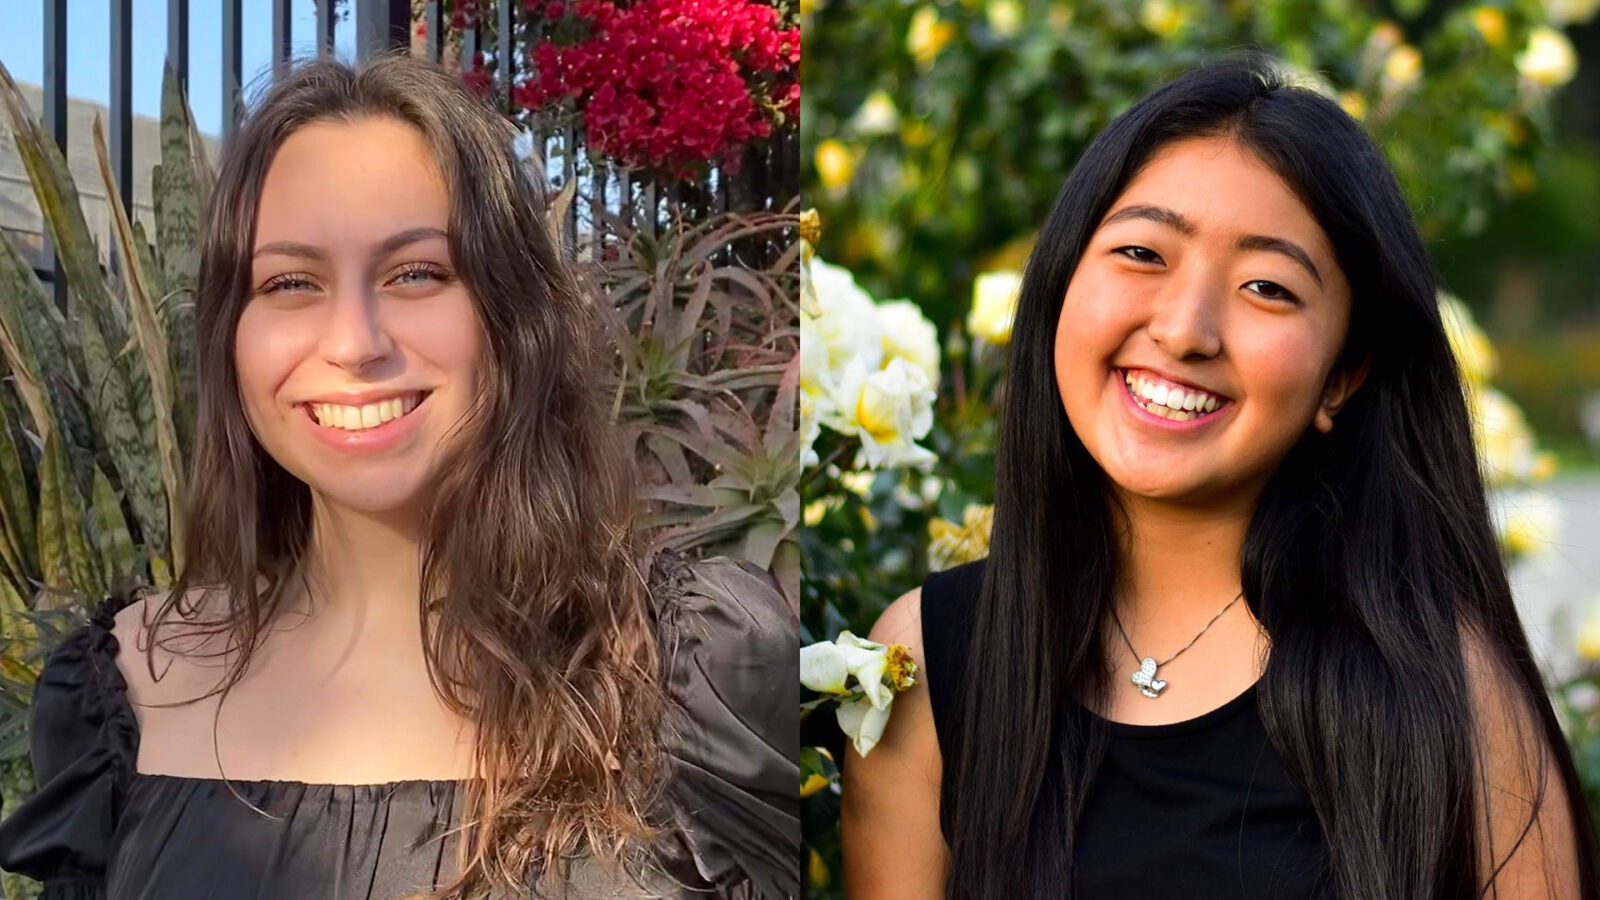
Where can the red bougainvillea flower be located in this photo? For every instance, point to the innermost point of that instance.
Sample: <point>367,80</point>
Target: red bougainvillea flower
<point>670,84</point>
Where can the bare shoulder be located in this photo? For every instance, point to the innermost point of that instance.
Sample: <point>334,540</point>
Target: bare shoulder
<point>167,670</point>
<point>1527,839</point>
<point>890,798</point>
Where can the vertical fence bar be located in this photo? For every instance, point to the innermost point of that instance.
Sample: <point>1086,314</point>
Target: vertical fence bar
<point>433,24</point>
<point>381,26</point>
<point>55,121</point>
<point>121,136</point>
<point>282,38</point>
<point>178,41</point>
<point>231,100</point>
<point>324,27</point>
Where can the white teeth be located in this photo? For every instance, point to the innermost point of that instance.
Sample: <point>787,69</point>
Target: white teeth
<point>360,418</point>
<point>1170,402</point>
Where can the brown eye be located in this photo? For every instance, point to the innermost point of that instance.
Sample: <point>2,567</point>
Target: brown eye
<point>1271,290</point>
<point>1133,252</point>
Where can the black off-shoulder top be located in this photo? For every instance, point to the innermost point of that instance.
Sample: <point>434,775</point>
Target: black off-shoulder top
<point>96,829</point>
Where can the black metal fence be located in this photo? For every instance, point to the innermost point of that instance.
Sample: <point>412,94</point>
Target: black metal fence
<point>767,178</point>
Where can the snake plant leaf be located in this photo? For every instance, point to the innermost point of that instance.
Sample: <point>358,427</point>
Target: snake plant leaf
<point>153,345</point>
<point>119,393</point>
<point>64,558</point>
<point>39,332</point>
<point>16,508</point>
<point>180,185</point>
<point>118,559</point>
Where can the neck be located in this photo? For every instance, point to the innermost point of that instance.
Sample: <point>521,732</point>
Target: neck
<point>1178,562</point>
<point>362,566</point>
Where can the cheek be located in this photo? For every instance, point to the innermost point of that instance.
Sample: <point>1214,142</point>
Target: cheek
<point>447,332</point>
<point>267,347</point>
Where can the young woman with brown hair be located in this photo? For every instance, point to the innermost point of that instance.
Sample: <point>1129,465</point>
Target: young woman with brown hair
<point>410,649</point>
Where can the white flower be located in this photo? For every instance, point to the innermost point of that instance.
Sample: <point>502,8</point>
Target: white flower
<point>810,427</point>
<point>1528,522</point>
<point>843,314</point>
<point>1474,354</point>
<point>1570,12</point>
<point>823,668</point>
<point>877,115</point>
<point>1549,59</point>
<point>889,410</point>
<point>863,723</point>
<point>994,306</point>
<point>1505,442</point>
<point>908,335</point>
<point>1589,635</point>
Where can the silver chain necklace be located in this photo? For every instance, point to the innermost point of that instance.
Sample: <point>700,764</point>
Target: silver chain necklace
<point>1145,678</point>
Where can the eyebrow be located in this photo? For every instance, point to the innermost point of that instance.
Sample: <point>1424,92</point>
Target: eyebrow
<point>388,245</point>
<point>1176,221</point>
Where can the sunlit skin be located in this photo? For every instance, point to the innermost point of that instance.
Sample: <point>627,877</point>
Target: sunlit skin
<point>339,307</point>
<point>1208,269</point>
<point>1211,305</point>
<point>353,291</point>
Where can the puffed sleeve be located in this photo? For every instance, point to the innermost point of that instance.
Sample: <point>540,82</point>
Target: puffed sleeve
<point>729,644</point>
<point>85,744</point>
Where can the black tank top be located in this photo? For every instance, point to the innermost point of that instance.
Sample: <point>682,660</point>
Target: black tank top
<point>1196,809</point>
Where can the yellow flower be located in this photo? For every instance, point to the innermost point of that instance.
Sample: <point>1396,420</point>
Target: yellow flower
<point>1544,465</point>
<point>901,670</point>
<point>1549,59</point>
<point>1491,23</point>
<point>810,226</point>
<point>1504,440</point>
<point>1474,354</point>
<point>1005,18</point>
<point>994,306</point>
<point>817,871</point>
<point>951,544</point>
<point>1589,636</point>
<point>1354,104</point>
<point>836,165</point>
<point>927,36</point>
<point>1402,67</point>
<point>1386,35</point>
<point>813,783</point>
<point>1163,17</point>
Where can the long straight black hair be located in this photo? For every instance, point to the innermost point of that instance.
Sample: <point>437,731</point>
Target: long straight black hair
<point>1369,556</point>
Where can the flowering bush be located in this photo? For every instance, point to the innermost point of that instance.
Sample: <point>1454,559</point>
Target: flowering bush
<point>667,84</point>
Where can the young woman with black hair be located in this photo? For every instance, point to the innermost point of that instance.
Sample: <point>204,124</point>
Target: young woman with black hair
<point>1244,630</point>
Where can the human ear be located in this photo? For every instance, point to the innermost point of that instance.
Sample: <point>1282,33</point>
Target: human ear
<point>1341,384</point>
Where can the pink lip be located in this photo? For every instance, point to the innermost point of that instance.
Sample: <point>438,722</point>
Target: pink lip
<point>367,440</point>
<point>1167,424</point>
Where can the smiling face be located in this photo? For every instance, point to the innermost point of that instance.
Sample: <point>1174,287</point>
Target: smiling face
<point>1208,276</point>
<point>358,347</point>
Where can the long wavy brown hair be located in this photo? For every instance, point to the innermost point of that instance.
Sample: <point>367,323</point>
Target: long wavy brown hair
<point>535,617</point>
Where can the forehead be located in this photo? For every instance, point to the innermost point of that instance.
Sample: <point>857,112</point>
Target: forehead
<point>338,182</point>
<point>1226,190</point>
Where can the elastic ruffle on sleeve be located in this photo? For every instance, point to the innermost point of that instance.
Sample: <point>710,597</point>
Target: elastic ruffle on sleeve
<point>85,742</point>
<point>729,645</point>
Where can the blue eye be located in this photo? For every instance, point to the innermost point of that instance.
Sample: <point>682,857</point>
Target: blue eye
<point>290,282</point>
<point>1274,291</point>
<point>1130,251</point>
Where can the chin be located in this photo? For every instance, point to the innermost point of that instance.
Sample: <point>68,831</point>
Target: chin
<point>377,494</point>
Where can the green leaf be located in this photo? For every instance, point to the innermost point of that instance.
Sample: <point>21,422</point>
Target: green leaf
<point>180,186</point>
<point>153,345</point>
<point>16,509</point>
<point>64,559</point>
<point>118,559</point>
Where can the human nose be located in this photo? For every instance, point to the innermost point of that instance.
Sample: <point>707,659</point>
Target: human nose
<point>354,336</point>
<point>1185,319</point>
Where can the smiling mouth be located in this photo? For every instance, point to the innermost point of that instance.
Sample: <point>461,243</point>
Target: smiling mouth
<point>367,416</point>
<point>1168,402</point>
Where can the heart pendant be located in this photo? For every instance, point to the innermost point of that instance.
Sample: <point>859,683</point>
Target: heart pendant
<point>1145,678</point>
